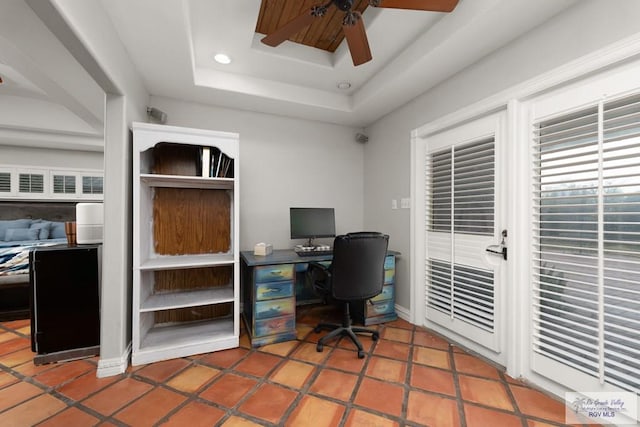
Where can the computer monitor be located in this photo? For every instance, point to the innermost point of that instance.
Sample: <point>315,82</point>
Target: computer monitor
<point>311,223</point>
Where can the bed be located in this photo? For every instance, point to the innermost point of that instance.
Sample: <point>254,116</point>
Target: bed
<point>24,226</point>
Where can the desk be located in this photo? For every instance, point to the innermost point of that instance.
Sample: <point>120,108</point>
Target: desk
<point>273,285</point>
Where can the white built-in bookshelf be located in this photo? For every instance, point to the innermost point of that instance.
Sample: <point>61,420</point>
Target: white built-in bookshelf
<point>185,242</point>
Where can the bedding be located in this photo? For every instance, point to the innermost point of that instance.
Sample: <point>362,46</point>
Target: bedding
<point>19,236</point>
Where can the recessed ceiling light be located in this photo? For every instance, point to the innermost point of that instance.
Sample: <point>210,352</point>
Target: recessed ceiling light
<point>344,85</point>
<point>222,58</point>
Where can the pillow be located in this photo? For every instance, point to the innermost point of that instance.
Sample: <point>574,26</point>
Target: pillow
<point>44,227</point>
<point>57,230</point>
<point>14,234</point>
<point>13,223</point>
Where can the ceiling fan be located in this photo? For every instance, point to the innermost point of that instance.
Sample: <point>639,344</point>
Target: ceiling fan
<point>352,23</point>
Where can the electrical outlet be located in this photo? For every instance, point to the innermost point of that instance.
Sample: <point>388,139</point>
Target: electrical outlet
<point>394,204</point>
<point>405,203</point>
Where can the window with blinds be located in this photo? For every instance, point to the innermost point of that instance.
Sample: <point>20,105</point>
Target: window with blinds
<point>92,185</point>
<point>586,225</point>
<point>64,184</point>
<point>462,188</point>
<point>5,182</point>
<point>31,183</point>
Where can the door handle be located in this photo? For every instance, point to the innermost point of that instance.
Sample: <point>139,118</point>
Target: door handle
<point>500,249</point>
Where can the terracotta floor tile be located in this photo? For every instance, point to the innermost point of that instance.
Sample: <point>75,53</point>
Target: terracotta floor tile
<point>161,371</point>
<point>359,418</point>
<point>431,357</point>
<point>307,352</point>
<point>16,393</point>
<point>228,390</point>
<point>471,365</point>
<point>195,414</point>
<point>6,379</point>
<point>387,369</point>
<point>6,336</point>
<point>280,348</point>
<point>15,344</point>
<point>346,360</point>
<point>64,372</point>
<point>302,331</point>
<point>258,364</point>
<point>71,417</point>
<point>268,403</point>
<point>293,374</point>
<point>25,330</point>
<point>431,410</point>
<point>17,358</point>
<point>193,378</point>
<point>316,412</point>
<point>482,417</point>
<point>336,384</point>
<point>433,379</point>
<point>396,334</point>
<point>86,385</point>
<point>32,412</point>
<point>485,392</point>
<point>235,421</point>
<point>17,324</point>
<point>31,370</point>
<point>380,396</point>
<point>537,404</point>
<point>427,339</point>
<point>399,323</point>
<point>224,358</point>
<point>534,423</point>
<point>150,408</point>
<point>117,395</point>
<point>392,349</point>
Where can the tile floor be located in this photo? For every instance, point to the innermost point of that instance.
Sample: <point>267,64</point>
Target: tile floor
<point>410,377</point>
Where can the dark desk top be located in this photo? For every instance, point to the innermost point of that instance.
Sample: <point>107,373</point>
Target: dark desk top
<point>285,256</point>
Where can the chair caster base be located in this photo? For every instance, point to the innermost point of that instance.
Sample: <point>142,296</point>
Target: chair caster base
<point>319,348</point>
<point>375,336</point>
<point>361,354</point>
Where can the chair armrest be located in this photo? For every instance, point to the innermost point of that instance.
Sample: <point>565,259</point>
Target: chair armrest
<point>319,277</point>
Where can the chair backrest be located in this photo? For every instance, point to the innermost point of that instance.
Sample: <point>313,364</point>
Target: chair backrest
<point>357,268</point>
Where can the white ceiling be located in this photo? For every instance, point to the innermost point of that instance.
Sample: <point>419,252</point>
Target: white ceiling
<point>172,43</point>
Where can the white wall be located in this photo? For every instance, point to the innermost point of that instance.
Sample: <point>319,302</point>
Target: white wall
<point>284,162</point>
<point>590,25</point>
<point>43,157</point>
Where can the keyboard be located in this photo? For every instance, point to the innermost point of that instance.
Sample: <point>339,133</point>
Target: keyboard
<point>315,252</point>
<point>309,251</point>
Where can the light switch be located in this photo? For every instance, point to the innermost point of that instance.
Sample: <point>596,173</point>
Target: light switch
<point>394,204</point>
<point>405,203</point>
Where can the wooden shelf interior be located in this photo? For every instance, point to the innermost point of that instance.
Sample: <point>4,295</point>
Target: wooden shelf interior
<point>176,159</point>
<point>193,314</point>
<point>191,221</point>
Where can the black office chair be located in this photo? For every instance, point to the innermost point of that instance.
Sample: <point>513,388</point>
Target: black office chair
<point>355,274</point>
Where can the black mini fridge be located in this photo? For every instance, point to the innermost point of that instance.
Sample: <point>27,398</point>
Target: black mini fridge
<point>64,302</point>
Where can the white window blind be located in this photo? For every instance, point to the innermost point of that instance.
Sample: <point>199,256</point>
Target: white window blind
<point>92,185</point>
<point>31,183</point>
<point>460,189</point>
<point>64,184</point>
<point>5,182</point>
<point>586,225</point>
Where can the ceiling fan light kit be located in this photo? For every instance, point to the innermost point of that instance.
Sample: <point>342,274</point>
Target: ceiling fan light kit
<point>352,23</point>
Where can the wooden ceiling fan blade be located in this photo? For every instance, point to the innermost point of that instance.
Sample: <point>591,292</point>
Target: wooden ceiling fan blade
<point>354,32</point>
<point>289,29</point>
<point>430,5</point>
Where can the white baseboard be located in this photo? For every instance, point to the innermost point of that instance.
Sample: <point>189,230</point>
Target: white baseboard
<point>403,313</point>
<point>114,366</point>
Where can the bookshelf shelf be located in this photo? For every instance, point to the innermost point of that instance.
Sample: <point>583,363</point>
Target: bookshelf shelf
<point>185,246</point>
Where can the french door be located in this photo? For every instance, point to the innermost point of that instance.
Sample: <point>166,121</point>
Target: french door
<point>464,215</point>
<point>586,236</point>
